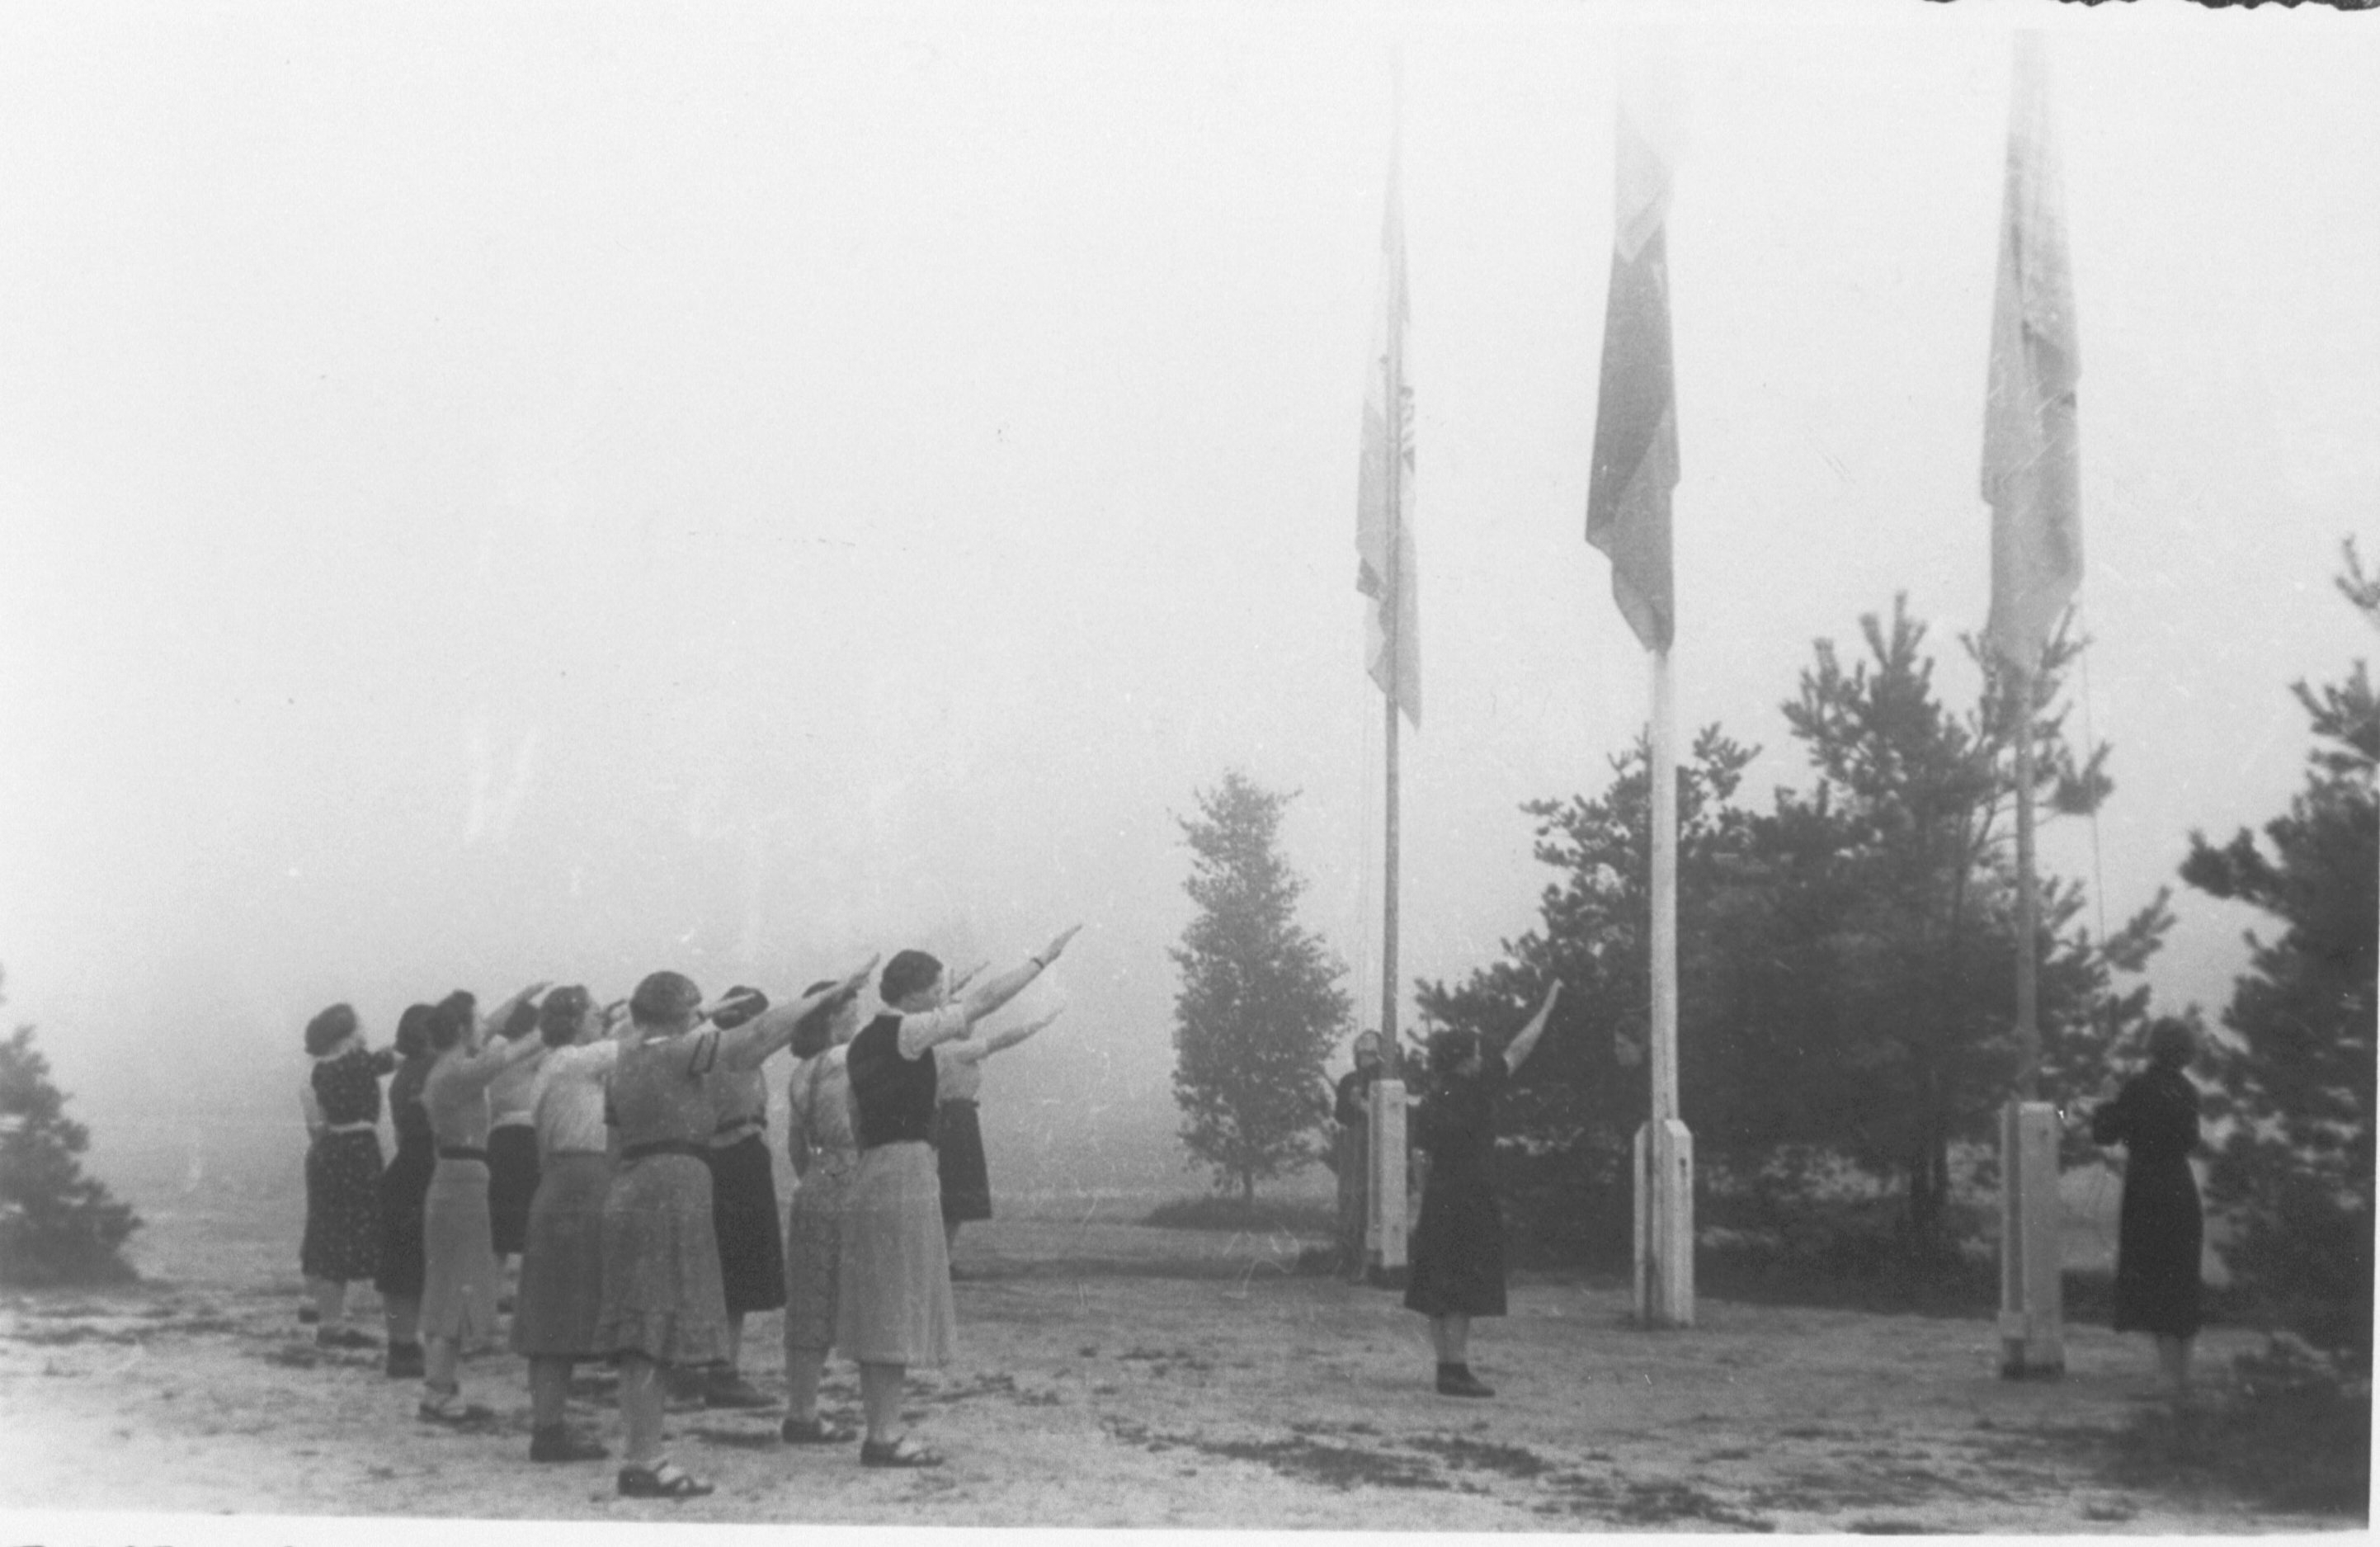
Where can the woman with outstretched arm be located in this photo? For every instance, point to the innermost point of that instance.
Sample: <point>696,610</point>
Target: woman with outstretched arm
<point>958,1127</point>
<point>893,1305</point>
<point>1458,1249</point>
<point>663,1305</point>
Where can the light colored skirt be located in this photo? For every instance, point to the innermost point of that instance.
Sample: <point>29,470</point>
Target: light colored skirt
<point>461,1281</point>
<point>662,1294</point>
<point>894,1300</point>
<point>814,1226</point>
<point>562,1266</point>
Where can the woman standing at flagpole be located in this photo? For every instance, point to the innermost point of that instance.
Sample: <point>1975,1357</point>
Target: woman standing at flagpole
<point>1458,1249</point>
<point>894,1304</point>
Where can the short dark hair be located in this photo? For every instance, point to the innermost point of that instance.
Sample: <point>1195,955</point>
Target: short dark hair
<point>907,973</point>
<point>814,1034</point>
<point>2173,1043</point>
<point>742,1009</point>
<point>1450,1050</point>
<point>558,1018</point>
<point>663,998</point>
<point>413,1031</point>
<point>329,1029</point>
<point>521,1022</point>
<point>451,1018</point>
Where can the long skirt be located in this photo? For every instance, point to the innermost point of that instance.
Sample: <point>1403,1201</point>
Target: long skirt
<point>342,1242</point>
<point>958,1150</point>
<point>459,1291</point>
<point>744,1217</point>
<point>894,1300</point>
<point>404,1193</point>
<point>814,1227</point>
<point>1458,1250</point>
<point>512,1184</point>
<point>562,1266</point>
<point>662,1298</point>
<point>2160,1234</point>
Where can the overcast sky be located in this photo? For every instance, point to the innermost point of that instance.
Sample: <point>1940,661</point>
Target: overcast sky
<point>564,491</point>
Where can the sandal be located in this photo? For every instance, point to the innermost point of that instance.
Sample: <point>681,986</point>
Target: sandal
<point>815,1431</point>
<point>449,1408</point>
<point>897,1453</point>
<point>667,1480</point>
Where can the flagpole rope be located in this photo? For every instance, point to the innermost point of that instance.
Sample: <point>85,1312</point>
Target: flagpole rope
<point>2098,875</point>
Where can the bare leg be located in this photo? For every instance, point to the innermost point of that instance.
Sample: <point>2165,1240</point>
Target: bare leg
<point>735,1341</point>
<point>549,1390</point>
<point>879,1394</point>
<point>329,1301</point>
<point>440,1359</point>
<point>403,1318</point>
<point>804,1367</point>
<point>1451,1334</point>
<point>640,1408</point>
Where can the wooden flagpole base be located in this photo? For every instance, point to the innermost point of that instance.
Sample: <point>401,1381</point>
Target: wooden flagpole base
<point>1664,1225</point>
<point>2033,1320</point>
<point>1387,1200</point>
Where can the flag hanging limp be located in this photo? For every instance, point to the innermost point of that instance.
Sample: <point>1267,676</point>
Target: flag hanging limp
<point>1384,484</point>
<point>2031,457</point>
<point>1636,413</point>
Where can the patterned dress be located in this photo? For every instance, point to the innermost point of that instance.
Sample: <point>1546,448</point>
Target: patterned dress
<point>819,1135</point>
<point>405,1187</point>
<point>343,1169</point>
<point>2160,1229</point>
<point>663,1299</point>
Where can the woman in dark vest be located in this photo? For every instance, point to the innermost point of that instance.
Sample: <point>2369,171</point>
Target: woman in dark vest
<point>893,1305</point>
<point>2160,1230</point>
<point>663,1305</point>
<point>403,1187</point>
<point>1458,1249</point>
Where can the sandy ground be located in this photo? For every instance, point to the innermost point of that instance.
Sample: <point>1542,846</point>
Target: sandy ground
<point>1116,1376</point>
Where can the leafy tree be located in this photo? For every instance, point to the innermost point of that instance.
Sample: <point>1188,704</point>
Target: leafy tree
<point>1260,1006</point>
<point>2297,1170</point>
<point>56,1226</point>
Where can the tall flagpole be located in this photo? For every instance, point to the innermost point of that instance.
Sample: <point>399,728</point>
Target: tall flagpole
<point>1393,616</point>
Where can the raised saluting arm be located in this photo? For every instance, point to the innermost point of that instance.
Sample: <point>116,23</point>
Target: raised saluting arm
<point>748,1046</point>
<point>1517,1050</point>
<point>1006,1037</point>
<point>984,998</point>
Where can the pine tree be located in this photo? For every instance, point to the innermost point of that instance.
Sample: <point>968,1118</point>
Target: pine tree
<point>1260,1007</point>
<point>56,1226</point>
<point>2297,1171</point>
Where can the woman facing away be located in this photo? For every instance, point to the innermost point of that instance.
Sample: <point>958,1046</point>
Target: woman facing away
<point>664,1307</point>
<point>343,1170</point>
<point>824,1151</point>
<point>2160,1229</point>
<point>461,1280</point>
<point>958,1126</point>
<point>404,1188</point>
<point>561,1293</point>
<point>1458,1249</point>
<point>1351,1107</point>
<point>743,1206</point>
<point>893,1306</point>
<point>512,1144</point>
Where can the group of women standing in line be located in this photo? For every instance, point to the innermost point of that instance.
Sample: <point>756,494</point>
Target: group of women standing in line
<point>650,1229</point>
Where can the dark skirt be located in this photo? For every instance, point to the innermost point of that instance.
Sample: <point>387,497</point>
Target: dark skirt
<point>2160,1232</point>
<point>342,1243</point>
<point>958,1149</point>
<point>512,1185</point>
<point>744,1217</point>
<point>1354,1154</point>
<point>662,1298</point>
<point>404,1187</point>
<point>1458,1250</point>
<point>561,1294</point>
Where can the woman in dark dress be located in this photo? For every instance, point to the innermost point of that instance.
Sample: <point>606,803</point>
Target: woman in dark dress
<point>2160,1230</point>
<point>1351,1107</point>
<point>404,1187</point>
<point>1458,1249</point>
<point>343,1167</point>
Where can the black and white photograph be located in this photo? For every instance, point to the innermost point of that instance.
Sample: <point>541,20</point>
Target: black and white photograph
<point>1361,767</point>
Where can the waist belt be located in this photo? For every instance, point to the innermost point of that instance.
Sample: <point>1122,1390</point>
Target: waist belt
<point>572,1154</point>
<point>359,1127</point>
<point>661,1147</point>
<point>735,1128</point>
<point>517,1120</point>
<point>458,1152</point>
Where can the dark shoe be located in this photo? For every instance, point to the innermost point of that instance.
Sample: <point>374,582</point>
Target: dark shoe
<point>1462,1382</point>
<point>405,1362</point>
<point>558,1443</point>
<point>896,1453</point>
<point>344,1337</point>
<point>308,1315</point>
<point>815,1431</point>
<point>727,1389</point>
<point>668,1480</point>
<point>682,1390</point>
